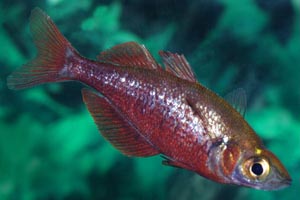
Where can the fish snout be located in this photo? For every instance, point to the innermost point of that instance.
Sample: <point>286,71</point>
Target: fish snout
<point>262,171</point>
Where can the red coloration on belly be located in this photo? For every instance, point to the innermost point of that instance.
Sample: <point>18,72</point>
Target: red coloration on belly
<point>144,110</point>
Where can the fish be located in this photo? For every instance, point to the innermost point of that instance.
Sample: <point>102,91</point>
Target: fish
<point>145,109</point>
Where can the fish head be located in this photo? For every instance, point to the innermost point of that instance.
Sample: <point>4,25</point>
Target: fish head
<point>260,169</point>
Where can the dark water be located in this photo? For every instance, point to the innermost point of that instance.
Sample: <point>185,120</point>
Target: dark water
<point>49,145</point>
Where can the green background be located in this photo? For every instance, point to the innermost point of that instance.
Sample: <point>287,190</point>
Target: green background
<point>50,147</point>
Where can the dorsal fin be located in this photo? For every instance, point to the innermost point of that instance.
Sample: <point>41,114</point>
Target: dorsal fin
<point>115,128</point>
<point>129,54</point>
<point>238,99</point>
<point>177,65</point>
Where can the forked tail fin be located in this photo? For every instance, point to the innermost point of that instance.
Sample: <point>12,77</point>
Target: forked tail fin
<point>53,49</point>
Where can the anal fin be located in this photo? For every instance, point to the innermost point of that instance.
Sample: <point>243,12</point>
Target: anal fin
<point>115,128</point>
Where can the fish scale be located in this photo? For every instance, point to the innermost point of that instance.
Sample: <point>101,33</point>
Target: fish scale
<point>144,110</point>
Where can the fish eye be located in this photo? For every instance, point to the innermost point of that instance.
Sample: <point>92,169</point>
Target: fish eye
<point>257,168</point>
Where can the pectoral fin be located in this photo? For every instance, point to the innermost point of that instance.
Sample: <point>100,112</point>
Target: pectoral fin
<point>238,99</point>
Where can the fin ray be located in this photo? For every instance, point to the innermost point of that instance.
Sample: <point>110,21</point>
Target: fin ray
<point>177,65</point>
<point>129,54</point>
<point>173,163</point>
<point>114,128</point>
<point>51,46</point>
<point>238,99</point>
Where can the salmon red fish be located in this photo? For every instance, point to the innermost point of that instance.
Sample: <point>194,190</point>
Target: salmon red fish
<point>144,110</point>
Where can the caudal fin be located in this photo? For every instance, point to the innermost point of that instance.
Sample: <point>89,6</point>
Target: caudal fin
<point>52,48</point>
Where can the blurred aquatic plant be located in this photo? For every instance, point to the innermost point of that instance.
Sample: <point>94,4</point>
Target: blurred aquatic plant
<point>48,160</point>
<point>10,52</point>
<point>280,130</point>
<point>49,145</point>
<point>55,159</point>
<point>228,50</point>
<point>104,24</point>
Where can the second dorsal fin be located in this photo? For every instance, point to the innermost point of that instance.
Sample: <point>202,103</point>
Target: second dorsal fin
<point>177,65</point>
<point>129,54</point>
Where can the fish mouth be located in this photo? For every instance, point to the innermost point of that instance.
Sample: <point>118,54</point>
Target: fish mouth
<point>275,180</point>
<point>285,183</point>
<point>268,186</point>
<point>278,185</point>
<point>280,178</point>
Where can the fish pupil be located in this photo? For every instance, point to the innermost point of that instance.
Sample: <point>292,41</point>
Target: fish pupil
<point>257,169</point>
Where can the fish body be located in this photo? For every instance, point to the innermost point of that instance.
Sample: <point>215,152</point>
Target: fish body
<point>144,110</point>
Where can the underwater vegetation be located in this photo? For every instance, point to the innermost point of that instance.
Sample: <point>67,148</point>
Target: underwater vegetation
<point>49,145</point>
